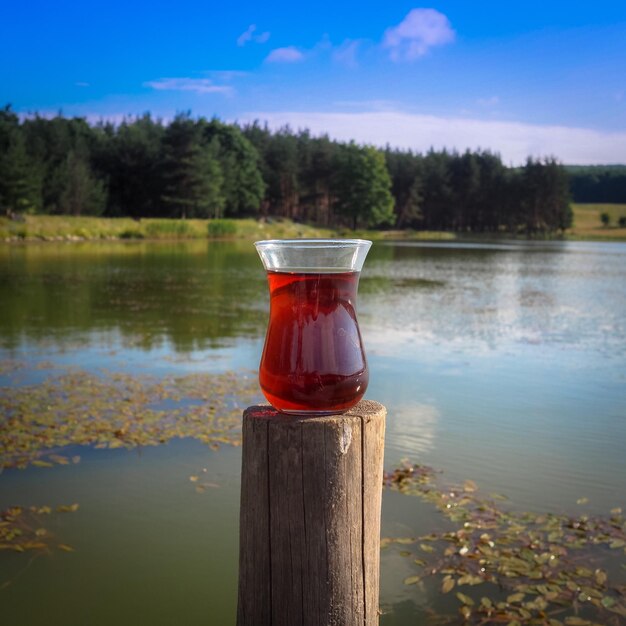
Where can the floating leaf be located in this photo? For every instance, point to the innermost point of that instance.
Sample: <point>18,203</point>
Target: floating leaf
<point>582,500</point>
<point>465,611</point>
<point>515,598</point>
<point>38,463</point>
<point>448,584</point>
<point>61,460</point>
<point>600,577</point>
<point>607,602</point>
<point>65,547</point>
<point>470,579</point>
<point>464,599</point>
<point>470,486</point>
<point>412,580</point>
<point>426,548</point>
<point>68,508</point>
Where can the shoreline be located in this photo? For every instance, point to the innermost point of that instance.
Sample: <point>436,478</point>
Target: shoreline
<point>47,228</point>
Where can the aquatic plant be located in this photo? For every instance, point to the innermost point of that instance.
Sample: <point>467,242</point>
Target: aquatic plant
<point>22,529</point>
<point>514,567</point>
<point>77,407</point>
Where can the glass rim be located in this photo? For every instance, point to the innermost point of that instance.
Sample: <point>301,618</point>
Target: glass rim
<point>313,243</point>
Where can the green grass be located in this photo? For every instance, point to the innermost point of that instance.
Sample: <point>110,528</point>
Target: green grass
<point>221,228</point>
<point>60,227</point>
<point>70,228</point>
<point>587,225</point>
<point>169,228</point>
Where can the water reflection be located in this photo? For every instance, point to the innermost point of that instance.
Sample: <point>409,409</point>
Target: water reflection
<point>195,295</point>
<point>412,429</point>
<point>496,296</point>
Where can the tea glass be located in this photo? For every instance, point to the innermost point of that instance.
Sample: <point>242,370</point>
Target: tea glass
<point>313,361</point>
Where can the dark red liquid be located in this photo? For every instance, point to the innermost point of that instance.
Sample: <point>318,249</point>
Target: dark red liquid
<point>313,358</point>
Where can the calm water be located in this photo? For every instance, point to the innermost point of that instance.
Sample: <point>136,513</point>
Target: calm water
<point>504,363</point>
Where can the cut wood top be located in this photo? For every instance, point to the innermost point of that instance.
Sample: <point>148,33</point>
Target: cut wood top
<point>365,409</point>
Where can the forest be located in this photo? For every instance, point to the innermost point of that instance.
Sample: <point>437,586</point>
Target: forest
<point>598,183</point>
<point>195,167</point>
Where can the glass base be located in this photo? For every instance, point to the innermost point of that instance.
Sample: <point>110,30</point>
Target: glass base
<point>311,413</point>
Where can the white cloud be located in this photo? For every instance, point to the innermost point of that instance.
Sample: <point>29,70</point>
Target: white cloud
<point>290,54</point>
<point>248,35</point>
<point>346,53</point>
<point>197,85</point>
<point>419,31</point>
<point>515,141</point>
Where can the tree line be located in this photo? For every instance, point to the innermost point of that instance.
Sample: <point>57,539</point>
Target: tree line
<point>194,167</point>
<point>598,183</point>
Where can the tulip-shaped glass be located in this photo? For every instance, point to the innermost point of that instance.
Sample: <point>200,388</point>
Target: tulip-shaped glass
<point>313,361</point>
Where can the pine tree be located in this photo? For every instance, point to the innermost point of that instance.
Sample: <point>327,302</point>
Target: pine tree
<point>83,193</point>
<point>191,172</point>
<point>20,178</point>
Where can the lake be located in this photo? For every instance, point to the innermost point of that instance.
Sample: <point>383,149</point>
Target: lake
<point>500,362</point>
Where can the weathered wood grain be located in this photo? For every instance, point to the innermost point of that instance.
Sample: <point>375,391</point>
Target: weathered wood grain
<point>310,518</point>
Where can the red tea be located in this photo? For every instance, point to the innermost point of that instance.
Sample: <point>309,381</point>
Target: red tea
<point>313,359</point>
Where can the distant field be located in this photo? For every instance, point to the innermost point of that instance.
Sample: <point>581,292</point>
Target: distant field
<point>587,224</point>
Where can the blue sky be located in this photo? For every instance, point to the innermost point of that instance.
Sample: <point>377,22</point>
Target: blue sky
<point>540,78</point>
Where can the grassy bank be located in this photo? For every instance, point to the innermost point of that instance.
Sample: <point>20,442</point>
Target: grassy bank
<point>69,228</point>
<point>587,226</point>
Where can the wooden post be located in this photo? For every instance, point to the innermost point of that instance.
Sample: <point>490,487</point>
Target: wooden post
<point>310,518</point>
